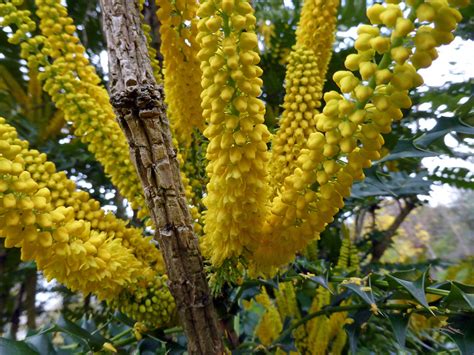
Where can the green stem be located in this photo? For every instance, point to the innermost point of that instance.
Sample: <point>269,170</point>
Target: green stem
<point>125,341</point>
<point>329,310</point>
<point>173,330</point>
<point>120,335</point>
<point>384,284</point>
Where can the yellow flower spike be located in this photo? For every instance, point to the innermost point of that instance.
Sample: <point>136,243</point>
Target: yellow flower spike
<point>270,324</point>
<point>113,259</point>
<point>237,151</point>
<point>298,118</point>
<point>82,101</point>
<point>179,47</point>
<point>316,31</point>
<point>150,304</point>
<point>369,112</point>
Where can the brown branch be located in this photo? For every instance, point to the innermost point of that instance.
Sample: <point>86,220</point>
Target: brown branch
<point>30,299</point>
<point>381,244</point>
<point>139,104</point>
<point>15,319</point>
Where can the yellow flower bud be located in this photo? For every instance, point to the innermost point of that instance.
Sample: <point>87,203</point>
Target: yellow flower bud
<point>400,54</point>
<point>374,12</point>
<point>227,6</point>
<point>248,40</point>
<point>362,93</point>
<point>367,70</point>
<point>425,12</point>
<point>380,44</point>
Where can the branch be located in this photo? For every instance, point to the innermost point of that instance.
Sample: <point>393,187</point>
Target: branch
<point>379,246</point>
<point>139,105</point>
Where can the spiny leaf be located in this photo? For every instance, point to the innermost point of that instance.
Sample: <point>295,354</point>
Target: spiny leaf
<point>415,288</point>
<point>14,347</point>
<point>443,127</point>
<point>459,299</point>
<point>93,341</point>
<point>399,324</point>
<point>406,148</point>
<point>462,333</point>
<point>368,297</point>
<point>353,330</point>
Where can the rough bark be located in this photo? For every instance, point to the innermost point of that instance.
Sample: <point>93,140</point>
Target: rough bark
<point>380,245</point>
<point>139,104</point>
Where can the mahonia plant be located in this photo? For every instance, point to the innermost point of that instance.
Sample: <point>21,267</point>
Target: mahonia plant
<point>263,205</point>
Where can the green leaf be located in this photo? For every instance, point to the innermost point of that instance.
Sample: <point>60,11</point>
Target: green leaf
<point>395,184</point>
<point>399,324</point>
<point>14,347</point>
<point>466,288</point>
<point>366,296</point>
<point>462,333</point>
<point>406,148</point>
<point>93,341</point>
<point>353,329</point>
<point>443,127</point>
<point>42,343</point>
<point>459,299</point>
<point>322,281</point>
<point>415,288</point>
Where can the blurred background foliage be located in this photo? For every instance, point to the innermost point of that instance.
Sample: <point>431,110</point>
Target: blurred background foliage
<point>390,221</point>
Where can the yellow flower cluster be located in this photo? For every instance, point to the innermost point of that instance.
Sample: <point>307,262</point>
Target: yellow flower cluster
<point>285,297</point>
<point>64,193</point>
<point>149,302</point>
<point>10,14</point>
<point>74,87</point>
<point>83,101</point>
<point>237,150</point>
<point>64,248</point>
<point>151,51</point>
<point>325,334</point>
<point>287,305</point>
<point>182,73</point>
<point>348,259</point>
<point>270,325</point>
<point>320,335</point>
<point>351,125</point>
<point>316,31</point>
<point>292,167</point>
<point>70,237</point>
<point>302,99</point>
<point>317,328</point>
